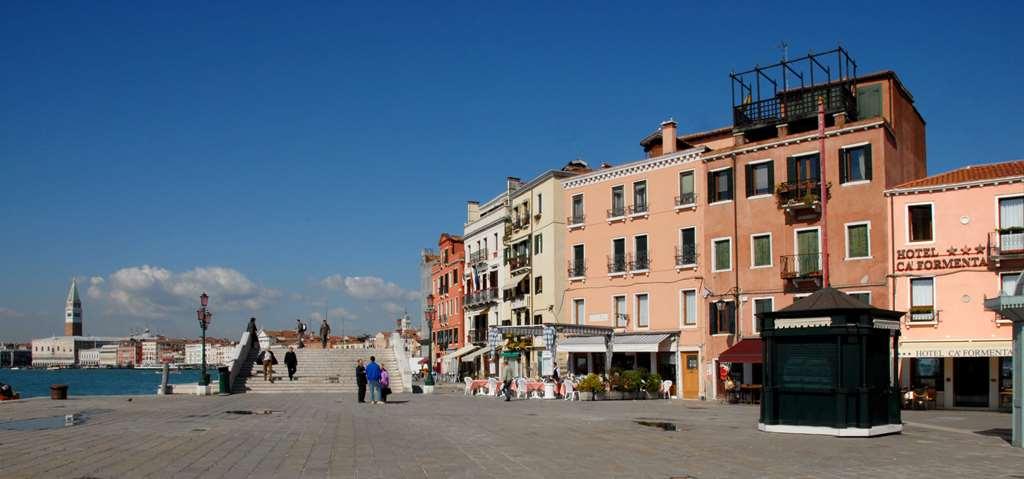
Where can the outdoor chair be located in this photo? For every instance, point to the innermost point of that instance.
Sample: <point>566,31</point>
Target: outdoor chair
<point>665,390</point>
<point>521,388</point>
<point>468,380</point>
<point>492,388</point>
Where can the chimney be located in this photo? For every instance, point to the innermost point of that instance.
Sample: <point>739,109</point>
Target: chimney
<point>472,211</point>
<point>512,183</point>
<point>668,136</point>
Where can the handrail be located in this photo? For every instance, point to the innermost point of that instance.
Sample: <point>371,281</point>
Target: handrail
<point>242,354</point>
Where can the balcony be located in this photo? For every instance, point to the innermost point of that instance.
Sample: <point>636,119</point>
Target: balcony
<point>794,105</point>
<point>519,302</point>
<point>801,198</point>
<point>617,213</point>
<point>481,297</point>
<point>443,319</point>
<point>577,269</point>
<point>922,314</point>
<point>641,263</point>
<point>617,263</point>
<point>516,263</point>
<point>686,256</point>
<point>621,320</point>
<point>686,200</point>
<point>478,256</point>
<point>801,266</point>
<point>576,221</point>
<point>639,209</point>
<point>1006,247</point>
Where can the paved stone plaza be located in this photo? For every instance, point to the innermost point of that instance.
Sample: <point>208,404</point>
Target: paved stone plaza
<point>450,435</point>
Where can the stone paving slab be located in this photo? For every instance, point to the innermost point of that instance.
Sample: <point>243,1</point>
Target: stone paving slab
<point>449,435</point>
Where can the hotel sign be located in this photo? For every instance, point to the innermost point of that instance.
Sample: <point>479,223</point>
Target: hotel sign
<point>930,259</point>
<point>957,349</point>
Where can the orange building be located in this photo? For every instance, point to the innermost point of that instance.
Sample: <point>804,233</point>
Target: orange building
<point>679,251</point>
<point>448,289</point>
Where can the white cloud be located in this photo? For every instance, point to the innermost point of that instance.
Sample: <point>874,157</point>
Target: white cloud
<point>333,314</point>
<point>393,308</point>
<point>367,287</point>
<point>152,291</point>
<point>9,313</point>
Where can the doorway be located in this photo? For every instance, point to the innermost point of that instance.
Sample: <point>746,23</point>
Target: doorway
<point>691,376</point>
<point>970,382</point>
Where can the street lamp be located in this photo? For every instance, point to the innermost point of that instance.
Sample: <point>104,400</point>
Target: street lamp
<point>204,316</point>
<point>428,313</point>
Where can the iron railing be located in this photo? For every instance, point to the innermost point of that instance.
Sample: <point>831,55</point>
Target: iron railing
<point>1005,245</point>
<point>575,220</point>
<point>478,256</point>
<point>517,262</point>
<point>617,263</point>
<point>617,211</point>
<point>577,269</point>
<point>801,265</point>
<point>638,208</point>
<point>686,199</point>
<point>481,296</point>
<point>686,255</point>
<point>642,262</point>
<point>803,193</point>
<point>922,314</point>
<point>795,105</point>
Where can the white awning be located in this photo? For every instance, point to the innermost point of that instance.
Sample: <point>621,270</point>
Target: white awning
<point>641,343</point>
<point>582,344</point>
<point>459,352</point>
<point>468,358</point>
<point>957,349</point>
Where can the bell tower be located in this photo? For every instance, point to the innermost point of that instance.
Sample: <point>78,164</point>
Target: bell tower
<point>73,312</point>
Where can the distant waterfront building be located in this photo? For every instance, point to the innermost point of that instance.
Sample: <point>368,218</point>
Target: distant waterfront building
<point>129,353</point>
<point>89,358</point>
<point>448,331</point>
<point>73,312</point>
<point>14,355</point>
<point>108,356</point>
<point>64,350</point>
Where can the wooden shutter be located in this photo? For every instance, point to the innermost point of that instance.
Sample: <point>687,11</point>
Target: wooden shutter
<point>867,162</point>
<point>712,318</point>
<point>730,185</point>
<point>869,101</point>
<point>791,173</point>
<point>711,188</point>
<point>771,175</point>
<point>731,311</point>
<point>844,157</point>
<point>749,178</point>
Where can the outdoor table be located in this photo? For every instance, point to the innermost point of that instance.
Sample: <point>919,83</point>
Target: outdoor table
<point>750,393</point>
<point>531,386</point>
<point>477,384</point>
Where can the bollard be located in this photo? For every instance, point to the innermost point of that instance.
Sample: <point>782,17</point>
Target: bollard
<point>59,391</point>
<point>164,377</point>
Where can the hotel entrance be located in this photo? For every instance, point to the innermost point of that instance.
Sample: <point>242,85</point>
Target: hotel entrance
<point>970,382</point>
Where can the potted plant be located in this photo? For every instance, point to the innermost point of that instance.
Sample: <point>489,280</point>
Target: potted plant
<point>616,386</point>
<point>633,382</point>
<point>589,387</point>
<point>653,384</point>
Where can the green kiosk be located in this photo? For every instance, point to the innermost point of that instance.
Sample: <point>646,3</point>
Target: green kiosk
<point>830,363</point>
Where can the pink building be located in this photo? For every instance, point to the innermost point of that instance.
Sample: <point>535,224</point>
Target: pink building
<point>956,239</point>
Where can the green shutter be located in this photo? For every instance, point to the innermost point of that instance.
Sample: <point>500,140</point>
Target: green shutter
<point>867,162</point>
<point>858,241</point>
<point>749,175</point>
<point>869,101</point>
<point>722,259</point>
<point>712,318</point>
<point>762,250</point>
<point>844,165</point>
<point>711,188</point>
<point>791,173</point>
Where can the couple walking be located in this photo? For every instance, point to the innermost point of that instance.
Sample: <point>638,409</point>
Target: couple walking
<point>377,377</point>
<point>325,333</point>
<point>269,360</point>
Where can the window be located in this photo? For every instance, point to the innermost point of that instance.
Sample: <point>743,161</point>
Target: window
<point>720,185</point>
<point>643,318</point>
<point>761,250</point>
<point>855,164</point>
<point>760,179</point>
<point>640,197</point>
<point>721,252</point>
<point>538,319</point>
<point>538,284</point>
<point>619,310</point>
<point>864,297</point>
<point>1011,224</point>
<point>920,217</point>
<point>722,317</point>
<point>803,169</point>
<point>762,305</point>
<point>577,270</point>
<point>858,241</point>
<point>922,299</point>
<point>618,202</point>
<point>538,244</point>
<point>617,262</point>
<point>641,261</point>
<point>686,255</point>
<point>577,311</point>
<point>540,203</point>
<point>687,192</point>
<point>926,373</point>
<point>869,101</point>
<point>688,307</point>
<point>1008,283</point>
<point>577,210</point>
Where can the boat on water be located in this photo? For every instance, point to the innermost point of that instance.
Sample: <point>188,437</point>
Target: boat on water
<point>53,368</point>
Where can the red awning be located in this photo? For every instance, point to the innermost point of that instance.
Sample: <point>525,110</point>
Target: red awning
<point>745,351</point>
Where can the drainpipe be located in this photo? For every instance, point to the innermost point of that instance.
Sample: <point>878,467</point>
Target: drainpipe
<point>823,185</point>
<point>736,254</point>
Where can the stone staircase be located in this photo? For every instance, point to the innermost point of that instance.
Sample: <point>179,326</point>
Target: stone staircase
<point>319,371</point>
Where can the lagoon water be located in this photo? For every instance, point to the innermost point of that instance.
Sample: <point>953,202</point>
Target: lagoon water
<point>94,382</point>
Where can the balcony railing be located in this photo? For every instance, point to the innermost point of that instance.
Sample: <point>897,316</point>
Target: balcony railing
<point>617,263</point>
<point>638,209</point>
<point>477,335</point>
<point>1006,244</point>
<point>576,220</point>
<point>482,296</point>
<point>797,266</point>
<point>803,194</point>
<point>795,105</point>
<point>621,320</point>
<point>922,314</point>
<point>686,199</point>
<point>642,262</point>
<point>686,255</point>
<point>617,212</point>
<point>519,262</point>
<point>577,269</point>
<point>478,256</point>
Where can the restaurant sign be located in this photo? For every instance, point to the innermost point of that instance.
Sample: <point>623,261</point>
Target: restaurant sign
<point>930,259</point>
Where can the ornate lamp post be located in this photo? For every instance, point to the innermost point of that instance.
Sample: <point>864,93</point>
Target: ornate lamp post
<point>204,316</point>
<point>428,313</point>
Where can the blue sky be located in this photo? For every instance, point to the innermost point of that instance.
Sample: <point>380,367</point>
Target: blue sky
<point>284,155</point>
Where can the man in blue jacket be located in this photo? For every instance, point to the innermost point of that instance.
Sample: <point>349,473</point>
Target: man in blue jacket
<point>373,379</point>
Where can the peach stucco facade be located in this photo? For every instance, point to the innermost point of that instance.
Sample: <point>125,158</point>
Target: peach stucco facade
<point>947,330</point>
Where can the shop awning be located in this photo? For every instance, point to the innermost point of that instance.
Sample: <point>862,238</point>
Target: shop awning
<point>957,349</point>
<point>640,343</point>
<point>745,351</point>
<point>582,344</point>
<point>468,358</point>
<point>461,351</point>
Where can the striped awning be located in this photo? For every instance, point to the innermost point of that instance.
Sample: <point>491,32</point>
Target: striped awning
<point>640,343</point>
<point>582,344</point>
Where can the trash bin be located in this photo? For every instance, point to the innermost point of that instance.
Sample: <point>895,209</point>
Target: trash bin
<point>59,391</point>
<point>225,376</point>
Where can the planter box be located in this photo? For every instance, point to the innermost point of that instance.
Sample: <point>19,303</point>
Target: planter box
<point>586,396</point>
<point>615,395</point>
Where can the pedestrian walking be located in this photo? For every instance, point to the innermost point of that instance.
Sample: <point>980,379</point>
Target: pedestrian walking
<point>506,380</point>
<point>300,331</point>
<point>373,380</point>
<point>292,362</point>
<point>361,380</point>
<point>253,339</point>
<point>268,360</point>
<point>385,384</point>
<point>325,332</point>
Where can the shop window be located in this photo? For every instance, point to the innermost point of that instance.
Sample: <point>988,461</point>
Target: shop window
<point>927,373</point>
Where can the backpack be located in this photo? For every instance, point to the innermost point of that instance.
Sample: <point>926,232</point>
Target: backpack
<point>303,327</point>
